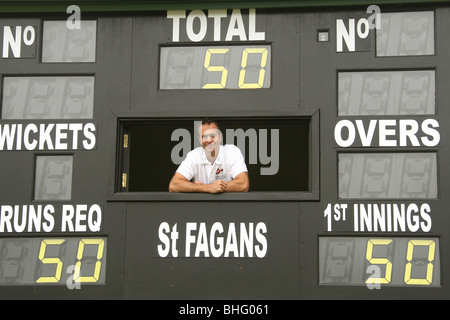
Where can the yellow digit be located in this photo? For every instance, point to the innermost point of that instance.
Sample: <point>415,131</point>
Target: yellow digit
<point>262,71</point>
<point>96,276</point>
<point>222,69</point>
<point>409,256</point>
<point>57,261</point>
<point>369,256</point>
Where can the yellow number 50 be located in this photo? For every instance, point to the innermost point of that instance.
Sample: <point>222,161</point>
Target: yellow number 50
<point>58,264</point>
<point>223,72</point>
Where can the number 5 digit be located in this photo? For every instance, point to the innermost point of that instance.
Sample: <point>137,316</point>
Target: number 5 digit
<point>56,261</point>
<point>385,261</point>
<point>207,65</point>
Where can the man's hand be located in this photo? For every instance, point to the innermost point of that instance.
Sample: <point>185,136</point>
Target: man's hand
<point>180,184</point>
<point>217,186</point>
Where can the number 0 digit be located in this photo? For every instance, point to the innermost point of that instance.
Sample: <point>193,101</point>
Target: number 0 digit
<point>96,276</point>
<point>409,256</point>
<point>262,71</point>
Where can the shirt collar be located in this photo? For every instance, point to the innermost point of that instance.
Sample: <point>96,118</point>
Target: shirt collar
<point>218,158</point>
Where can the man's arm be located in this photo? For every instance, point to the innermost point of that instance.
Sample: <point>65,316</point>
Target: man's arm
<point>240,183</point>
<point>179,183</point>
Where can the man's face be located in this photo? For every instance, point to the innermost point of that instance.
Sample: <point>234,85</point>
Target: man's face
<point>210,138</point>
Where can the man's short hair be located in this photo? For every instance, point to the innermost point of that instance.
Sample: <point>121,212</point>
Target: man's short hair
<point>208,121</point>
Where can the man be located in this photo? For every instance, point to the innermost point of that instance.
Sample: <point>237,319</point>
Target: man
<point>214,168</point>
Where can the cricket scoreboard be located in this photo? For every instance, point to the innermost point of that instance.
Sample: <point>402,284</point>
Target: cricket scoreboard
<point>341,113</point>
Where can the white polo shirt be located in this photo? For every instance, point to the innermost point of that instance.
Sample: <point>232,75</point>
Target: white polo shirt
<point>229,163</point>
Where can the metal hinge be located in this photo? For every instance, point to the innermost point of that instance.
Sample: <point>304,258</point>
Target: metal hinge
<point>124,180</point>
<point>125,141</point>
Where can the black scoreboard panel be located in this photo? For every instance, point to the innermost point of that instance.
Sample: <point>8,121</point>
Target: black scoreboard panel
<point>341,115</point>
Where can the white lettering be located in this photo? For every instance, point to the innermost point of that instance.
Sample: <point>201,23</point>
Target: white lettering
<point>391,217</point>
<point>338,133</point>
<point>217,15</point>
<point>14,41</point>
<point>196,14</point>
<point>246,243</point>
<point>190,239</point>
<point>88,131</point>
<point>236,27</point>
<point>216,227</point>
<point>74,218</point>
<point>6,215</point>
<point>38,218</point>
<point>363,32</point>
<point>363,27</point>
<point>34,218</point>
<point>408,130</point>
<point>26,218</point>
<point>75,127</point>
<point>261,250</point>
<point>49,136</point>
<point>231,245</point>
<point>20,227</point>
<point>425,225</point>
<point>236,240</point>
<point>391,133</point>
<point>60,136</point>
<point>49,221</point>
<point>28,35</point>
<point>67,216</point>
<point>252,33</point>
<point>202,241</point>
<point>430,132</point>
<point>45,137</point>
<point>176,16</point>
<point>79,217</point>
<point>343,34</point>
<point>164,249</point>
<point>95,218</point>
<point>385,132</point>
<point>366,138</point>
<point>11,41</point>
<point>7,135</point>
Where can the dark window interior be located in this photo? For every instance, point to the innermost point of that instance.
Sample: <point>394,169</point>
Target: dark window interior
<point>149,166</point>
